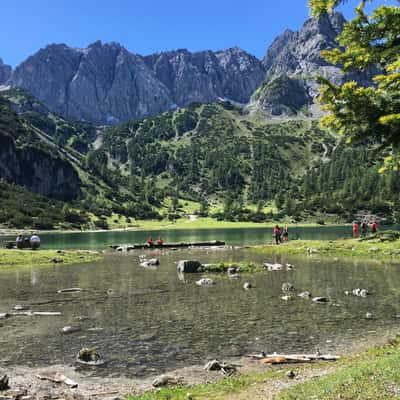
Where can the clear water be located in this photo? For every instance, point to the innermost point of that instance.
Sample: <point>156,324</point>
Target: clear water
<point>147,321</point>
<point>232,236</point>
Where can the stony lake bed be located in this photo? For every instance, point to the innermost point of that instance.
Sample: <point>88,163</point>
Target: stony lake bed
<point>148,321</point>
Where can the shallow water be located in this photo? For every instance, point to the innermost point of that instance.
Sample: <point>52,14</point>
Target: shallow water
<point>232,236</point>
<point>146,321</point>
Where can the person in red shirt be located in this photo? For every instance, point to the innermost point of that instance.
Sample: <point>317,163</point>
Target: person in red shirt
<point>374,227</point>
<point>150,242</point>
<point>355,229</point>
<point>160,242</point>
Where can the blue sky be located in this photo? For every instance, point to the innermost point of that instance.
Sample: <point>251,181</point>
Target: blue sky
<point>149,26</point>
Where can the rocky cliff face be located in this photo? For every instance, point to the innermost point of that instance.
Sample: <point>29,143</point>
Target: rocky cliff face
<point>207,76</point>
<point>27,161</point>
<point>298,53</point>
<point>5,72</point>
<point>37,171</point>
<point>292,63</point>
<point>105,83</point>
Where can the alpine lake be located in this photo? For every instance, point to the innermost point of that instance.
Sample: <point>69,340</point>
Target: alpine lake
<point>146,321</point>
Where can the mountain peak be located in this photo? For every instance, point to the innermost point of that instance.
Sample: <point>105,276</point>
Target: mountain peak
<point>5,72</point>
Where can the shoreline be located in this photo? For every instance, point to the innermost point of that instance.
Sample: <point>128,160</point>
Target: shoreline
<point>184,224</point>
<point>252,378</point>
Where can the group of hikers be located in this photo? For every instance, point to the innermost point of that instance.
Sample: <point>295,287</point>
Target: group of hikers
<point>364,226</point>
<point>281,234</point>
<point>23,242</point>
<point>151,243</point>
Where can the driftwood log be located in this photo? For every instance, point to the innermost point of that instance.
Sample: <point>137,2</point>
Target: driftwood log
<point>58,378</point>
<point>292,358</point>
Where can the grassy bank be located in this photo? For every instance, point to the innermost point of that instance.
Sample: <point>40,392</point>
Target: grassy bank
<point>202,223</point>
<point>385,245</point>
<point>28,258</point>
<point>372,374</point>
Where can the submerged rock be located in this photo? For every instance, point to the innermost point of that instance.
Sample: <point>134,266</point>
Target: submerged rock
<point>189,266</point>
<point>305,295</point>
<point>20,307</point>
<point>4,383</point>
<point>205,282</point>
<point>89,356</point>
<point>287,287</point>
<point>70,329</point>
<point>150,263</point>
<point>320,300</point>
<point>70,290</point>
<point>247,286</point>
<point>4,315</point>
<point>286,298</point>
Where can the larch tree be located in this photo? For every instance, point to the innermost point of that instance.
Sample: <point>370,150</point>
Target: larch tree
<point>368,42</point>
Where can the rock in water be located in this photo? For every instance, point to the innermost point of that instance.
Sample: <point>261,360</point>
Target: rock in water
<point>4,383</point>
<point>305,295</point>
<point>205,282</point>
<point>287,287</point>
<point>189,266</point>
<point>70,329</point>
<point>320,300</point>
<point>153,262</point>
<point>247,286</point>
<point>89,356</point>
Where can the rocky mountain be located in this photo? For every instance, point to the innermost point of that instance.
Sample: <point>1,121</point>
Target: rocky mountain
<point>298,53</point>
<point>207,76</point>
<point>5,72</point>
<point>105,83</point>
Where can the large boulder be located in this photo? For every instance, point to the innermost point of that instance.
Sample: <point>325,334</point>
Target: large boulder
<point>188,266</point>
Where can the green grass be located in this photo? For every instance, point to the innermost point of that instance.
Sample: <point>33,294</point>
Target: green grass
<point>369,375</point>
<point>373,248</point>
<point>374,374</point>
<point>204,223</point>
<point>37,258</point>
<point>242,267</point>
<point>212,391</point>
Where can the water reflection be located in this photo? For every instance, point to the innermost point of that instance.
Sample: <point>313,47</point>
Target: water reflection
<point>144,321</point>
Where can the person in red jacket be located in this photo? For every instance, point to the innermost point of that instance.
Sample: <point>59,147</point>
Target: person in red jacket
<point>150,242</point>
<point>374,227</point>
<point>355,229</point>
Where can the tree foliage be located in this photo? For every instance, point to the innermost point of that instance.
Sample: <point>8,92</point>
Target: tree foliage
<point>368,43</point>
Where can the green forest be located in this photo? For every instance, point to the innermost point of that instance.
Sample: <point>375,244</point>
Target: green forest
<point>226,162</point>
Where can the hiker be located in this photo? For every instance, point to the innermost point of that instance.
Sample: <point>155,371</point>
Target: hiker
<point>19,241</point>
<point>277,234</point>
<point>364,228</point>
<point>34,241</point>
<point>355,229</point>
<point>285,234</point>
<point>160,242</point>
<point>374,227</point>
<point>150,242</point>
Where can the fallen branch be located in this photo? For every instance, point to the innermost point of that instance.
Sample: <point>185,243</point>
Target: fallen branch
<point>58,378</point>
<point>292,358</point>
